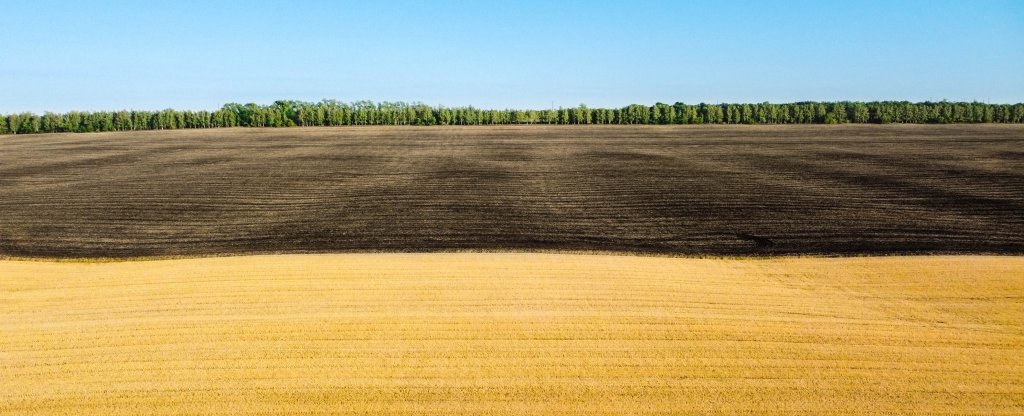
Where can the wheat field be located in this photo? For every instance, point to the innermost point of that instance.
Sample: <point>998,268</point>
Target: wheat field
<point>512,333</point>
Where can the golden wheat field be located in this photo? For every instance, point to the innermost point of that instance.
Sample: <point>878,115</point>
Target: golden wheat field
<point>494,333</point>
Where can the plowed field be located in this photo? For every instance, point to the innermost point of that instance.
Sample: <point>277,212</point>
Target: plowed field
<point>717,190</point>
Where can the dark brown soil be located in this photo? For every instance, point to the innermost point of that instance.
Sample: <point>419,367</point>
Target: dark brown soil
<point>707,190</point>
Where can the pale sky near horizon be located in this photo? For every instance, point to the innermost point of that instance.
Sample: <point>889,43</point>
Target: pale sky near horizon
<point>111,55</point>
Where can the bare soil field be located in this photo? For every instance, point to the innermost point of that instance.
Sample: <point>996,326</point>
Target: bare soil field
<point>488,333</point>
<point>692,190</point>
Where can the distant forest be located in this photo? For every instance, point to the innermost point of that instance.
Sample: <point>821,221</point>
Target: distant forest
<point>366,113</point>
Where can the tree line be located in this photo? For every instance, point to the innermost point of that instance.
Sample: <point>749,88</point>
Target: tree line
<point>286,113</point>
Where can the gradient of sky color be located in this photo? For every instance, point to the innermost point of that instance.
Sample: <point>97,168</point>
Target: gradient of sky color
<point>109,55</point>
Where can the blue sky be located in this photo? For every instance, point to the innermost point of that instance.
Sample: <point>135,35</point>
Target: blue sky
<point>91,55</point>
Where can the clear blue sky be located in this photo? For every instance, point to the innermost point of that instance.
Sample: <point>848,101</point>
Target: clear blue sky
<point>92,55</point>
